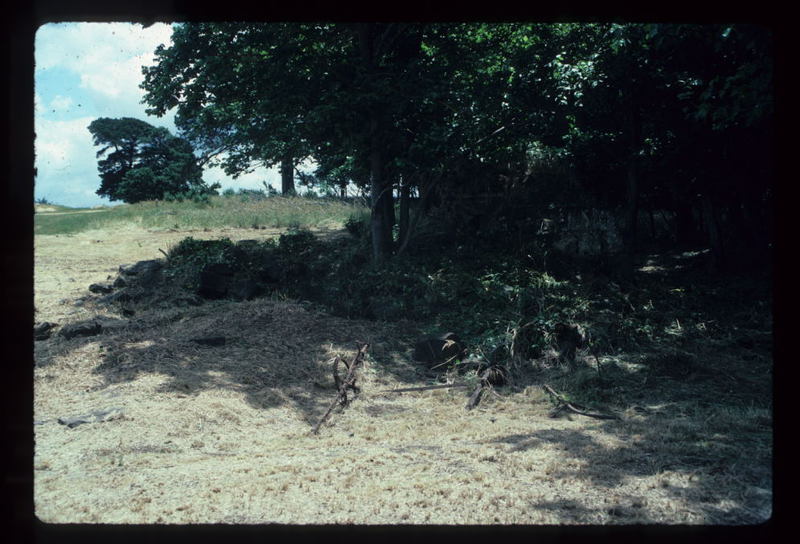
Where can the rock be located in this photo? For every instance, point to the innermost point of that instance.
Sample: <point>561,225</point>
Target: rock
<point>141,268</point>
<point>269,272</point>
<point>87,328</point>
<point>96,416</point>
<point>210,341</point>
<point>100,288</point>
<point>42,331</point>
<point>109,324</point>
<point>215,280</point>
<point>143,274</point>
<point>119,296</point>
<point>91,328</point>
<point>243,288</point>
<point>119,282</point>
<point>437,350</point>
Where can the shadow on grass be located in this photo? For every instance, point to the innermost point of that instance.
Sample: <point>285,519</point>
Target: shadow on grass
<point>274,352</point>
<point>693,355</point>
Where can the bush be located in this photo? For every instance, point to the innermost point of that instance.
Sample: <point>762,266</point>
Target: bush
<point>197,194</point>
<point>252,195</point>
<point>356,225</point>
<point>297,242</point>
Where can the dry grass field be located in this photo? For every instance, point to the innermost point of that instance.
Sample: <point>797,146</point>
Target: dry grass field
<point>221,434</point>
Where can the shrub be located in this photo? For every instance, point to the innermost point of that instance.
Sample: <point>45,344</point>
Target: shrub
<point>252,195</point>
<point>297,242</point>
<point>356,225</point>
<point>197,194</point>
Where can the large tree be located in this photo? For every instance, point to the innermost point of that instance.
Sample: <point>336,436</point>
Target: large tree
<point>143,162</point>
<point>266,94</point>
<point>645,115</point>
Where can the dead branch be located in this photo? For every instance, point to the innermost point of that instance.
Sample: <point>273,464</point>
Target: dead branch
<point>475,397</point>
<point>424,388</point>
<point>483,386</point>
<point>563,404</point>
<point>343,386</point>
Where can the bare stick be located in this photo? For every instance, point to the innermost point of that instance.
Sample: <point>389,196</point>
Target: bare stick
<point>424,388</point>
<point>564,404</point>
<point>483,385</point>
<point>342,386</point>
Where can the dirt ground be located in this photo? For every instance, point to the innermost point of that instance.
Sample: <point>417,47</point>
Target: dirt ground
<point>221,434</point>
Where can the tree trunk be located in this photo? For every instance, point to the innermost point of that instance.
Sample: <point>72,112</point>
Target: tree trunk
<point>388,207</point>
<point>405,199</point>
<point>632,212</point>
<point>717,262</point>
<point>685,224</point>
<point>287,176</point>
<point>380,194</point>
<point>652,215</point>
<point>379,221</point>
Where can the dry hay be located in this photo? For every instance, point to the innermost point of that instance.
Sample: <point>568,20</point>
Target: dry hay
<point>221,434</point>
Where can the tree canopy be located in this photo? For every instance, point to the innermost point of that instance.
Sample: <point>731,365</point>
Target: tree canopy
<point>637,115</point>
<point>143,162</point>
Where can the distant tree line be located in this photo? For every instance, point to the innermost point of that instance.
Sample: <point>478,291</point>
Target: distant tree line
<point>635,116</point>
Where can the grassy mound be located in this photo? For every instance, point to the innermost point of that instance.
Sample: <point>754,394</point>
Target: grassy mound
<point>239,211</point>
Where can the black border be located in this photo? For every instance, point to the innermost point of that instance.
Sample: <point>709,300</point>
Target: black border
<point>18,36</point>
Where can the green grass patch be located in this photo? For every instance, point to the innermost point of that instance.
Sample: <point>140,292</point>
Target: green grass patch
<point>239,211</point>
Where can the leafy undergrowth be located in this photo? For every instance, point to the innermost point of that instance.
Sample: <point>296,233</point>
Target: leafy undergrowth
<point>669,322</point>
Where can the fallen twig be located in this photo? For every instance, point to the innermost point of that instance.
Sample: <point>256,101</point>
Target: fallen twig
<point>342,386</point>
<point>424,388</point>
<point>564,404</point>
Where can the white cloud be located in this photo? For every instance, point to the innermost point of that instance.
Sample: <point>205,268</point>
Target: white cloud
<point>61,103</point>
<point>64,150</point>
<point>107,58</point>
<point>78,46</point>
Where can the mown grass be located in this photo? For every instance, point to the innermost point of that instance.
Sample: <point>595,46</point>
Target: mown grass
<point>239,211</point>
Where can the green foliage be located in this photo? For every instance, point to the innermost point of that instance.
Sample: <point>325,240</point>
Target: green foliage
<point>297,242</point>
<point>555,110</point>
<point>198,195</point>
<point>143,162</point>
<point>200,252</point>
<point>357,226</point>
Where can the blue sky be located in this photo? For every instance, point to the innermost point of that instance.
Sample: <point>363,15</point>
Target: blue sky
<point>90,70</point>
